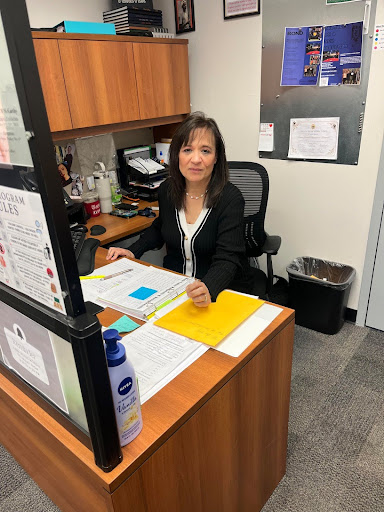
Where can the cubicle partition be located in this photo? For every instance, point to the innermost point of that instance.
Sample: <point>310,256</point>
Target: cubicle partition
<point>50,340</point>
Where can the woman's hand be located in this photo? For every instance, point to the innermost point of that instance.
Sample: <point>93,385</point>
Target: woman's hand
<point>198,292</point>
<point>115,252</point>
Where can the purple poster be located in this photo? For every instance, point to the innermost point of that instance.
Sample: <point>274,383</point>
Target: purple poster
<point>341,58</point>
<point>301,57</point>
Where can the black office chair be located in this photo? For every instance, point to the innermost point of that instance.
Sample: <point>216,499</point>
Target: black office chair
<point>253,182</point>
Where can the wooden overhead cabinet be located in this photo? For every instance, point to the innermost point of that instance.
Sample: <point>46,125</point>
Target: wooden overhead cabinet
<point>99,80</point>
<point>162,79</point>
<point>52,83</point>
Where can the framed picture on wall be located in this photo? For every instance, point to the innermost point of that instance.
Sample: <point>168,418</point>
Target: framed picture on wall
<point>235,9</point>
<point>184,16</point>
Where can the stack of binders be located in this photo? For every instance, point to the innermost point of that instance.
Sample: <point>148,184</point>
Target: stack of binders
<point>135,20</point>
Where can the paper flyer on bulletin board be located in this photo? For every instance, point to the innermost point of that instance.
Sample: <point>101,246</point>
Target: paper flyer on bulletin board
<point>314,138</point>
<point>378,43</point>
<point>301,55</point>
<point>14,147</point>
<point>341,58</point>
<point>27,262</point>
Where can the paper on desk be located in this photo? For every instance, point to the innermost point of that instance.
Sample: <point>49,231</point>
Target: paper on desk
<point>238,340</point>
<point>158,356</point>
<point>93,288</point>
<point>124,324</point>
<point>212,324</point>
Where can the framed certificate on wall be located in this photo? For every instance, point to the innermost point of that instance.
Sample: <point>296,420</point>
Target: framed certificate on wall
<point>236,8</point>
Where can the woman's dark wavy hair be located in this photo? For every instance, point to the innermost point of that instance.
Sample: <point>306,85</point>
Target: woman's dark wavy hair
<point>184,136</point>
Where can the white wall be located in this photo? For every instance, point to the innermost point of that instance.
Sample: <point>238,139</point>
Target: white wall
<point>48,13</point>
<point>322,210</point>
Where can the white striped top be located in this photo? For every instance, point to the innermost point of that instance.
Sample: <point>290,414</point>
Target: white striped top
<point>190,230</point>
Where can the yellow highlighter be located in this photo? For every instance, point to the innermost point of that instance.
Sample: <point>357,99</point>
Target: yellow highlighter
<point>91,277</point>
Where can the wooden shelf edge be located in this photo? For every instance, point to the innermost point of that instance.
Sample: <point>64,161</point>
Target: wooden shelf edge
<point>107,37</point>
<point>118,127</point>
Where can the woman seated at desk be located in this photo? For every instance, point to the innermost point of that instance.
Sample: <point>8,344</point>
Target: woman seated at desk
<point>201,216</point>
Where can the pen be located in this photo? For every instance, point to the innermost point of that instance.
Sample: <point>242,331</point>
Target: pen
<point>117,274</point>
<point>91,277</point>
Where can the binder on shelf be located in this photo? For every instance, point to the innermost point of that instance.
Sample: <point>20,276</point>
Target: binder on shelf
<point>147,4</point>
<point>128,14</point>
<point>129,8</point>
<point>134,16</point>
<point>85,27</point>
<point>133,32</point>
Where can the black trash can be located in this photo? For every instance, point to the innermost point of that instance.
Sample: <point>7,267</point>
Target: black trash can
<point>319,291</point>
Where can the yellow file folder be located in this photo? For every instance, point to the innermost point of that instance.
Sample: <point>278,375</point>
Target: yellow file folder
<point>211,324</point>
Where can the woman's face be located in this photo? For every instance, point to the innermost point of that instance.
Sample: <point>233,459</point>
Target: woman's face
<point>63,171</point>
<point>197,158</point>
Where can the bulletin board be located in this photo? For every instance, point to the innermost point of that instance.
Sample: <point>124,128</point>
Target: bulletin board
<point>280,104</point>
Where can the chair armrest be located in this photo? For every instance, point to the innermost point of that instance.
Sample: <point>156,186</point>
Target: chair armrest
<point>272,244</point>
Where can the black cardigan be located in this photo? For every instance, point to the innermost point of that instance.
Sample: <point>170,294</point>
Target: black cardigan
<point>218,246</point>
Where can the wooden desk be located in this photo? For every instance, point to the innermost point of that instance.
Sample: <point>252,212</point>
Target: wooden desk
<point>214,439</point>
<point>117,227</point>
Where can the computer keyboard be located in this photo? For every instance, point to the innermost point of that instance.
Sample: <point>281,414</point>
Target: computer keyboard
<point>78,239</point>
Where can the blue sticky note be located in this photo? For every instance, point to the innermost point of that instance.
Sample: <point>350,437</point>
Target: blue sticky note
<point>142,293</point>
<point>124,324</point>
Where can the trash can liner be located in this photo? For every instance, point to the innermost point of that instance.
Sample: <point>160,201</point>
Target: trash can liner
<point>319,305</point>
<point>337,275</point>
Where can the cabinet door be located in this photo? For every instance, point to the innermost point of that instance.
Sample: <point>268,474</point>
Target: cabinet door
<point>162,79</point>
<point>100,82</point>
<point>52,83</point>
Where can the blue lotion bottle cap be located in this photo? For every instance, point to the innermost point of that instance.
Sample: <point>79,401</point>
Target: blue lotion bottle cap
<point>115,351</point>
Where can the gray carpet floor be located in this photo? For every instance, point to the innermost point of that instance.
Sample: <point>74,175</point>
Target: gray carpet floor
<point>335,457</point>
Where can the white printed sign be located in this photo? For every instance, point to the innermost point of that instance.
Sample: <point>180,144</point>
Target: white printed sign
<point>27,262</point>
<point>14,147</point>
<point>25,354</point>
<point>266,137</point>
<point>26,348</point>
<point>378,42</point>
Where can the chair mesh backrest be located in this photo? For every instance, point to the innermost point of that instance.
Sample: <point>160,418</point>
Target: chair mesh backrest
<point>252,181</point>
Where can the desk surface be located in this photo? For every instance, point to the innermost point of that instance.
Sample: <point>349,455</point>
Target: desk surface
<point>117,227</point>
<point>218,430</point>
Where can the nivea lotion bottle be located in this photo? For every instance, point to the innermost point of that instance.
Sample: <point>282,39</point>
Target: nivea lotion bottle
<point>124,388</point>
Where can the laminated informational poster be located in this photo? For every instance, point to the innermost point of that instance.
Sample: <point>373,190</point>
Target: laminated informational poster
<point>301,56</point>
<point>341,57</point>
<point>27,263</point>
<point>26,348</point>
<point>14,147</point>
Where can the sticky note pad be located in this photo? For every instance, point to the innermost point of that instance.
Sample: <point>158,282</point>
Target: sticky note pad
<point>124,324</point>
<point>142,293</point>
<point>211,324</point>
